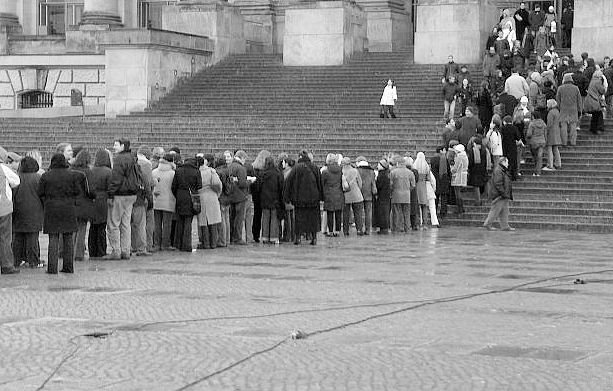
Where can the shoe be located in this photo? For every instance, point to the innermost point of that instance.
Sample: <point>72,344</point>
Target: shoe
<point>297,242</point>
<point>360,233</point>
<point>125,256</point>
<point>143,254</point>
<point>240,243</point>
<point>490,228</point>
<point>112,257</point>
<point>436,226</point>
<point>314,241</point>
<point>66,271</point>
<point>79,259</point>
<point>508,229</point>
<point>200,246</point>
<point>328,234</point>
<point>548,169</point>
<point>9,270</point>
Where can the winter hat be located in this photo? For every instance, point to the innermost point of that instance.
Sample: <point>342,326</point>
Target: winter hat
<point>524,99</point>
<point>3,155</point>
<point>459,148</point>
<point>384,163</point>
<point>361,162</point>
<point>568,77</point>
<point>551,9</point>
<point>551,103</point>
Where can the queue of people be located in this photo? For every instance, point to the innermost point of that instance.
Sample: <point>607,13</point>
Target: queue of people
<point>124,203</point>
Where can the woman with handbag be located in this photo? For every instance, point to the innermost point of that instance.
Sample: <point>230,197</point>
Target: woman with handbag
<point>353,198</point>
<point>210,214</point>
<point>185,186</point>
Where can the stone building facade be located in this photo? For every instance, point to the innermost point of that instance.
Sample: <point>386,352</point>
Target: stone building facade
<point>123,55</point>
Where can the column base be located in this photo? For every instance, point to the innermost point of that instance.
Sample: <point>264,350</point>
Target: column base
<point>101,18</point>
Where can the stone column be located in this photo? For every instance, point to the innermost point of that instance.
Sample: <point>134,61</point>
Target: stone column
<point>453,27</point>
<point>389,27</point>
<point>101,12</point>
<point>8,14</point>
<point>593,28</point>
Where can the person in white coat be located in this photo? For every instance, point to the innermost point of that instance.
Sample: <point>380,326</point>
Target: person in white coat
<point>388,100</point>
<point>8,181</point>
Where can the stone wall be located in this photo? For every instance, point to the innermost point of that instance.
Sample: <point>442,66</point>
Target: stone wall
<point>593,31</point>
<point>58,81</point>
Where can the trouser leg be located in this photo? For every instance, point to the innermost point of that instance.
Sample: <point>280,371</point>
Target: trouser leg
<point>53,253</point>
<point>67,253</point>
<point>367,216</point>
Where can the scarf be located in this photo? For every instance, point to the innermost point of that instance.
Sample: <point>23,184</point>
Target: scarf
<point>442,167</point>
<point>477,153</point>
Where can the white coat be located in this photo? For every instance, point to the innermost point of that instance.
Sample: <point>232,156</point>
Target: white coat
<point>389,96</point>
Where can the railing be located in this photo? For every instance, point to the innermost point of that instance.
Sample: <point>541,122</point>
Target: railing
<point>35,100</point>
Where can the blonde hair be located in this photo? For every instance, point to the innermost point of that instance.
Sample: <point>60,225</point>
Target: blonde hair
<point>35,154</point>
<point>259,161</point>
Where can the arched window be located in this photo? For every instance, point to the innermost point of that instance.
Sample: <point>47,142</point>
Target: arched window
<point>35,99</point>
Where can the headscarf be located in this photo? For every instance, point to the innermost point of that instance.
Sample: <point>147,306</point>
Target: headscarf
<point>420,164</point>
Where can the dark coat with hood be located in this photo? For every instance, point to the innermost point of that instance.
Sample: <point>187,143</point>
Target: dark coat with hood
<point>383,202</point>
<point>303,186</point>
<point>270,185</point>
<point>99,184</point>
<point>27,206</point>
<point>187,180</point>
<point>332,183</point>
<point>58,189</point>
<point>84,202</point>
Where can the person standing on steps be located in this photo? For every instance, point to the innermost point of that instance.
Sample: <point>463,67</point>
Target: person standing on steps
<point>501,193</point>
<point>388,100</point>
<point>450,93</point>
<point>594,101</point>
<point>451,69</point>
<point>568,97</point>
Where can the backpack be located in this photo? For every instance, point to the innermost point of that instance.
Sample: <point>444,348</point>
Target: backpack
<point>541,99</point>
<point>134,182</point>
<point>227,184</point>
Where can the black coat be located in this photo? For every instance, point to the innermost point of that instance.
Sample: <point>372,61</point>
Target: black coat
<point>443,182</point>
<point>27,206</point>
<point>58,189</point>
<point>510,136</point>
<point>332,183</point>
<point>383,201</point>
<point>303,185</point>
<point>270,189</point>
<point>99,184</point>
<point>187,178</point>
<point>477,172</point>
<point>85,202</point>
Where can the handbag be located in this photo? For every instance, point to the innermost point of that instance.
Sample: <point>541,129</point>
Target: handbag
<point>196,205</point>
<point>346,186</point>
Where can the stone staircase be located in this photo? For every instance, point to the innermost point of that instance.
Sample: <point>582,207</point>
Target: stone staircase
<point>253,102</point>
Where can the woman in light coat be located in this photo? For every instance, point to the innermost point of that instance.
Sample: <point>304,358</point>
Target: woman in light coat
<point>353,198</point>
<point>459,175</point>
<point>426,188</point>
<point>164,203</point>
<point>210,214</point>
<point>553,139</point>
<point>388,100</point>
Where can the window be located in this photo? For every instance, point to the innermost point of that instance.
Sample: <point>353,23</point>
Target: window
<point>35,100</point>
<point>55,16</point>
<point>150,13</point>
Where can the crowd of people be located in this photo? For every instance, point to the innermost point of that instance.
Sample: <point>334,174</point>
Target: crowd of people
<point>529,97</point>
<point>114,205</point>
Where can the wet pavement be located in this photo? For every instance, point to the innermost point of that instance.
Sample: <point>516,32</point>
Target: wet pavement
<point>450,309</point>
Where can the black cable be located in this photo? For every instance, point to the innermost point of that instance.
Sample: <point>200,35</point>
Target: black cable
<point>425,303</point>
